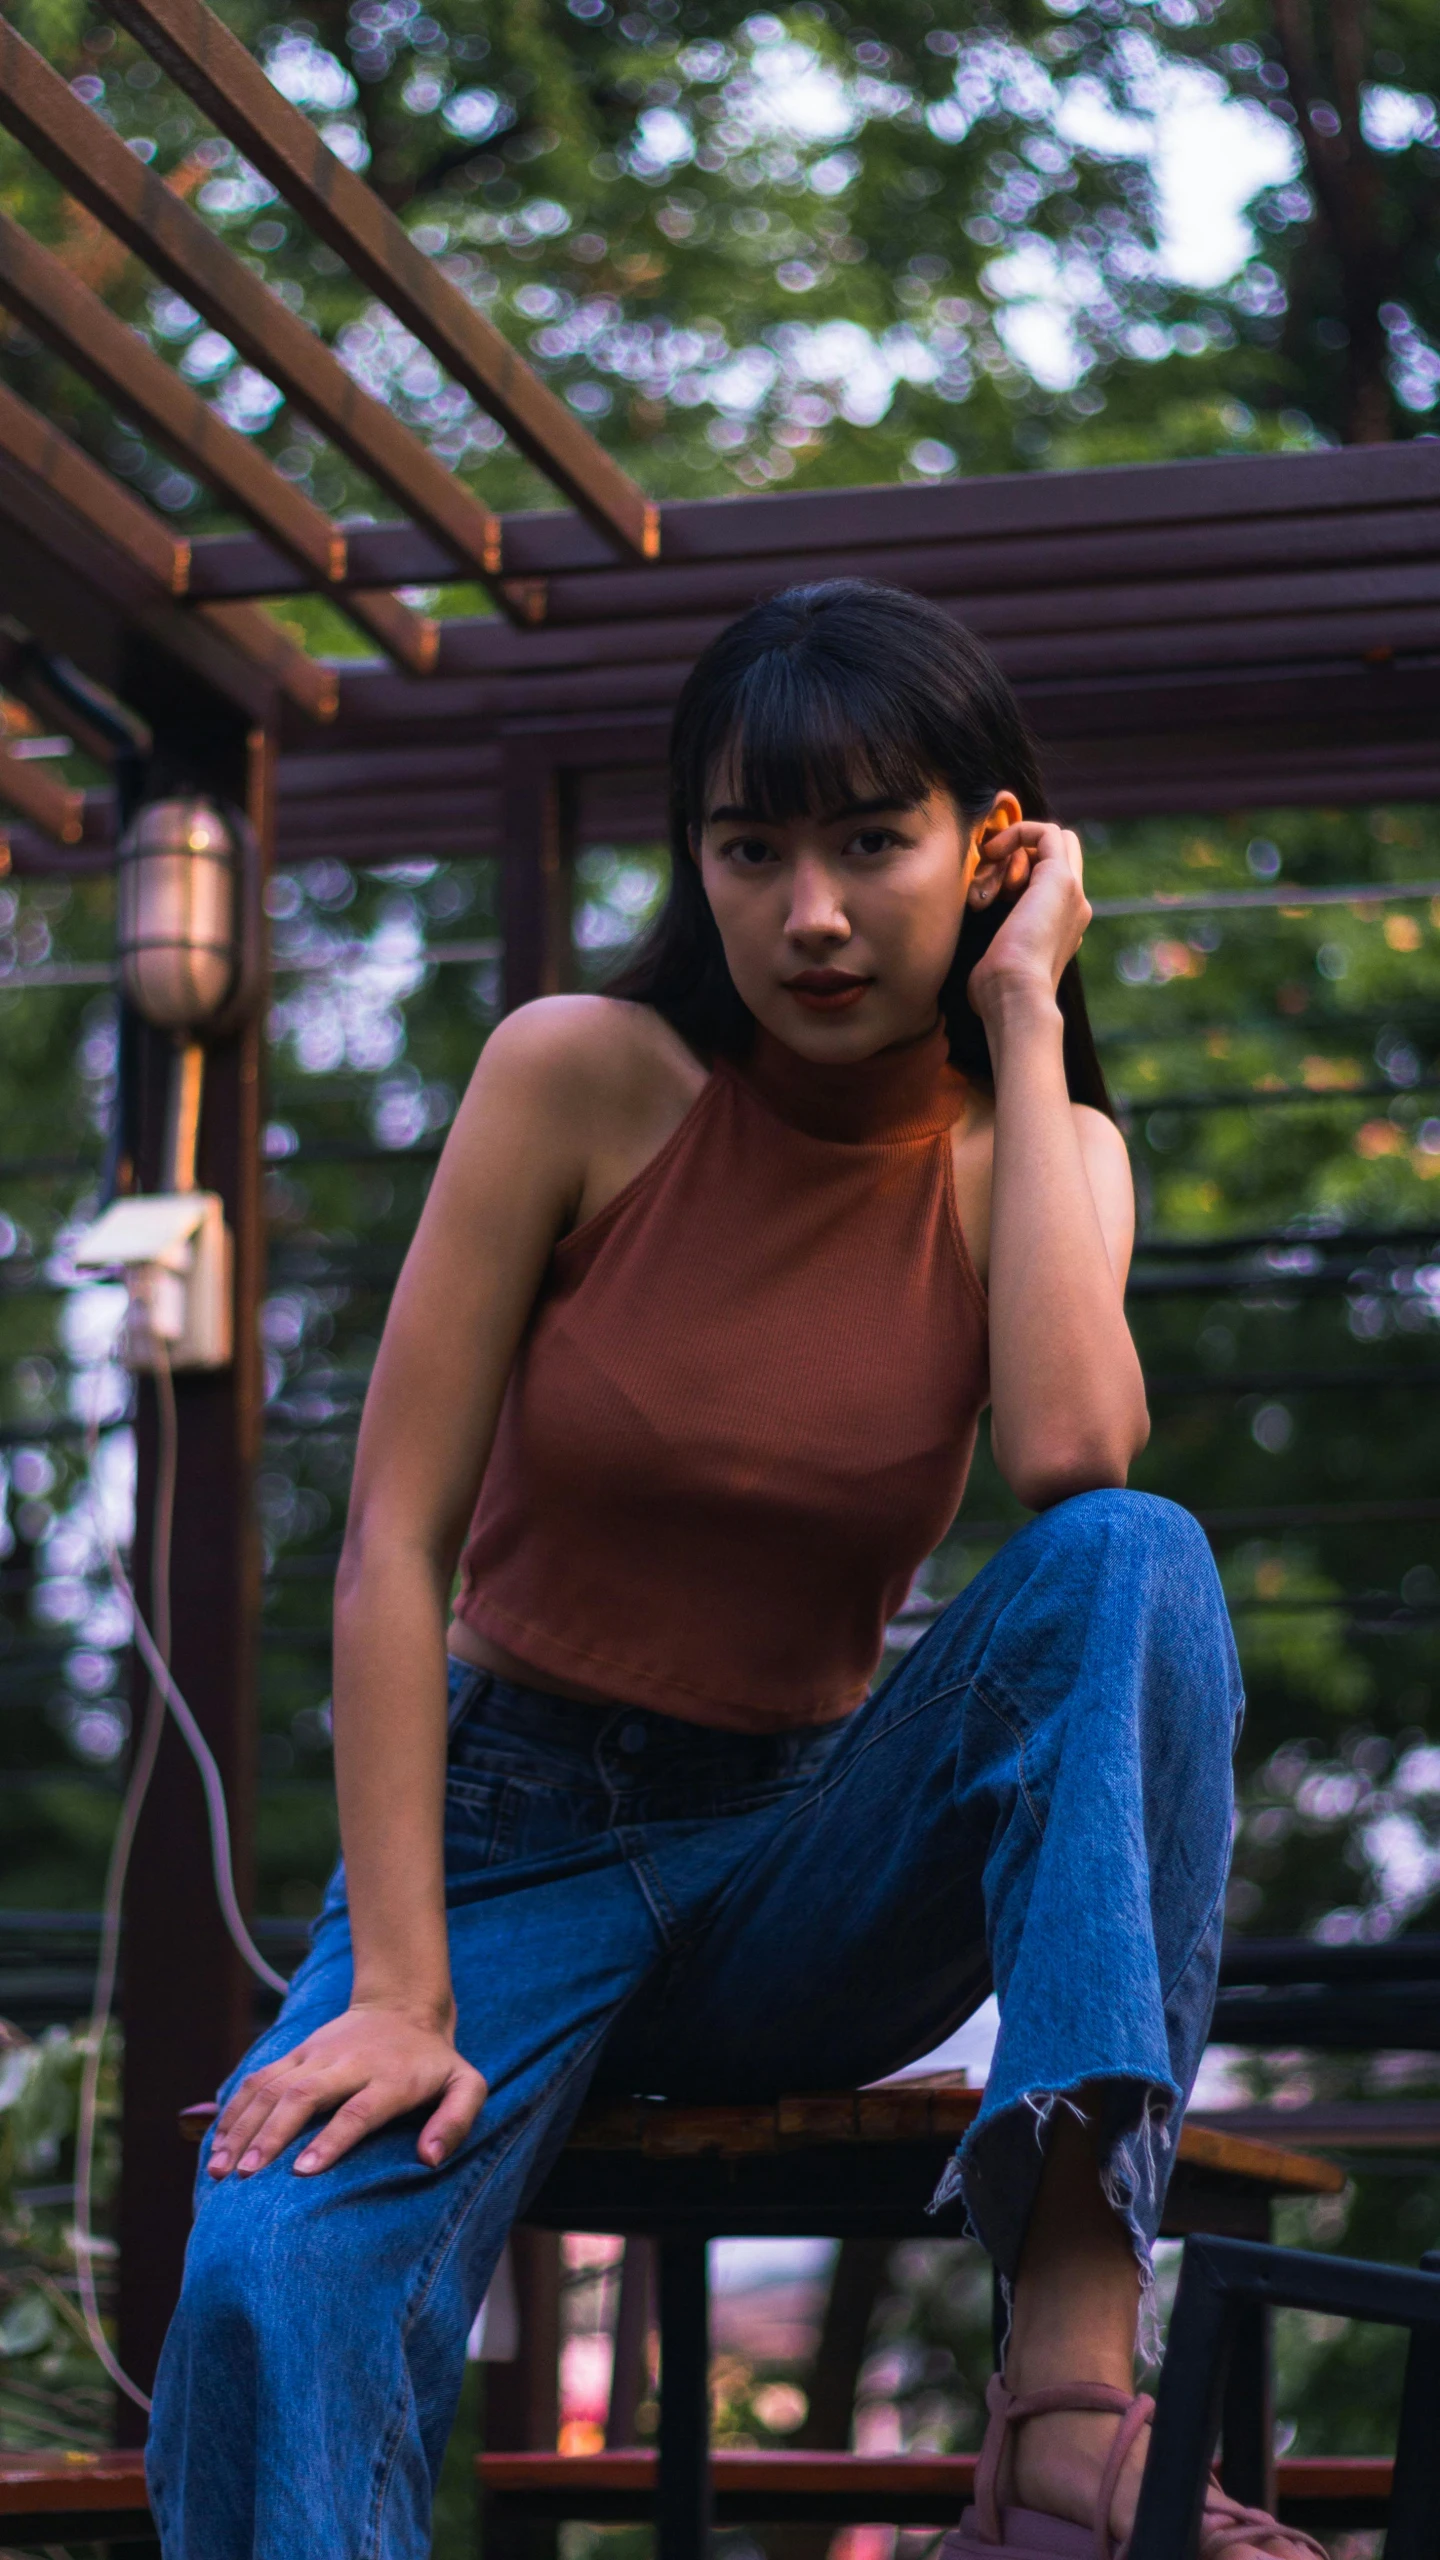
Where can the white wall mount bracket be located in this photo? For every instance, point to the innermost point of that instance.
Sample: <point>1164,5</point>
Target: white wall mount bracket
<point>175,1254</point>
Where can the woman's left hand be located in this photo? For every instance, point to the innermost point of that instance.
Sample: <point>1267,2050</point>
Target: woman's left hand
<point>1040,866</point>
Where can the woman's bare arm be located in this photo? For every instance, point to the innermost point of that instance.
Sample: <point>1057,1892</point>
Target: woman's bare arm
<point>512,1178</point>
<point>1067,1395</point>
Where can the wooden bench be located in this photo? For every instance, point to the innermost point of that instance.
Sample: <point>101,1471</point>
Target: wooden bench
<point>1319,2492</point>
<point>100,2497</point>
<point>55,2498</point>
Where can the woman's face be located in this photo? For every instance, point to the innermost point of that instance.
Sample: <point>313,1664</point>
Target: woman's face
<point>840,927</point>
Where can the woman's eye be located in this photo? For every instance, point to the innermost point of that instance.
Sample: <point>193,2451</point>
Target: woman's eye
<point>872,840</point>
<point>749,853</point>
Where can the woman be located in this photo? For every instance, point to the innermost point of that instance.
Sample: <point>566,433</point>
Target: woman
<point>715,1277</point>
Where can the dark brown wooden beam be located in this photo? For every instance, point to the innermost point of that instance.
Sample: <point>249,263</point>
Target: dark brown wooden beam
<point>1118,498</point>
<point>40,290</point>
<point>110,511</point>
<point>1174,574</point>
<point>213,67</point>
<point>58,811</point>
<point>535,883</point>
<point>882,540</point>
<point>1082,674</point>
<point>53,302</point>
<point>59,496</point>
<point>81,595</point>
<point>133,201</point>
<point>305,681</point>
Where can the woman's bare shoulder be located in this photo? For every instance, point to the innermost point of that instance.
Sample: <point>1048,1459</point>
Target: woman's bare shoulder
<point>593,1035</point>
<point>585,1089</point>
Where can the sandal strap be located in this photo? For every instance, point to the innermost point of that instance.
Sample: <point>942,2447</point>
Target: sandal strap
<point>1137,2417</point>
<point>1235,2525</point>
<point>1011,2408</point>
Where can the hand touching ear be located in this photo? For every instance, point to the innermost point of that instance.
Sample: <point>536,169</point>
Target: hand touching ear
<point>1040,866</point>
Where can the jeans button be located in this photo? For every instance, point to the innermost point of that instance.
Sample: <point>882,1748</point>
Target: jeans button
<point>632,1737</point>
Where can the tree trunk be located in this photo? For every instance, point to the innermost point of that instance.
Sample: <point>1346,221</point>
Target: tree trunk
<point>1346,186</point>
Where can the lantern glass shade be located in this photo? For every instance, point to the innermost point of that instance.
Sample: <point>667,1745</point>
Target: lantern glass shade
<point>178,913</point>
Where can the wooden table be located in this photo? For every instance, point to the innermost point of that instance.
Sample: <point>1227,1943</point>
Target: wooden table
<point>859,2163</point>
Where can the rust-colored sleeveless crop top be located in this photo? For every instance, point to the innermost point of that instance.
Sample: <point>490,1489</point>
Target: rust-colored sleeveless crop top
<point>744,1409</point>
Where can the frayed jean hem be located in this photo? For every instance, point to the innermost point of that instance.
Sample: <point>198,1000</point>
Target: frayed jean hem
<point>995,2173</point>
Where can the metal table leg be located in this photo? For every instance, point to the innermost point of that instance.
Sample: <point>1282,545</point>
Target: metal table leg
<point>683,2503</point>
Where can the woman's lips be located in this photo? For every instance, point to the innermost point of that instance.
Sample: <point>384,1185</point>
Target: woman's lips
<point>827,990</point>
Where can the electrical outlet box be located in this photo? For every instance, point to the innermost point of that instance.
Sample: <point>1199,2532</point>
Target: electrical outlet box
<point>175,1253</point>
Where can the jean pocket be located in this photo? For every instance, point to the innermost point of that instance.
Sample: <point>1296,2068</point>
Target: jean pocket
<point>480,1819</point>
<point>465,1685</point>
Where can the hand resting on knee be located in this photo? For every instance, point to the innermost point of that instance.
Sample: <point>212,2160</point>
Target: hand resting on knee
<point>369,2065</point>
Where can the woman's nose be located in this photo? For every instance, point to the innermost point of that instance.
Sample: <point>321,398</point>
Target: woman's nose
<point>816,906</point>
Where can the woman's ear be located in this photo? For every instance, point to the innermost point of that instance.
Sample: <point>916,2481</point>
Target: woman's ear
<point>992,857</point>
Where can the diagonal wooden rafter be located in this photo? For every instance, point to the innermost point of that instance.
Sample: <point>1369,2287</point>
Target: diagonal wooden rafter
<point>42,466</point>
<point>90,493</point>
<point>94,165</point>
<point>228,85</point>
<point>82,329</point>
<point>56,810</point>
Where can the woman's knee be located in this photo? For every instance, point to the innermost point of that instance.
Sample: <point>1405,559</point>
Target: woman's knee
<point>1142,1523</point>
<point>1155,1547</point>
<point>251,2247</point>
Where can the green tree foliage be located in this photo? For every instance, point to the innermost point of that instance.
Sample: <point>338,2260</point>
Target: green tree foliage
<point>53,2389</point>
<point>802,246</point>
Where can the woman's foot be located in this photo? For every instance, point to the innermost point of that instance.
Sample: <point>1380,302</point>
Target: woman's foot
<point>1075,2304</point>
<point>1058,2464</point>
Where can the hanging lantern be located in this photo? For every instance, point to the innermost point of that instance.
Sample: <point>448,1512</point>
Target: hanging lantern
<point>179,918</point>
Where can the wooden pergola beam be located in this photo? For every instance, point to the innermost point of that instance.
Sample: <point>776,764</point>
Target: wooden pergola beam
<point>57,810</point>
<point>113,514</point>
<point>1282,512</point>
<point>303,680</point>
<point>40,290</point>
<point>226,82</point>
<point>54,494</point>
<point>51,300</point>
<point>90,160</point>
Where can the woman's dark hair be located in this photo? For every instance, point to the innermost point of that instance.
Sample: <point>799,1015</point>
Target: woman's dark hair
<point>826,695</point>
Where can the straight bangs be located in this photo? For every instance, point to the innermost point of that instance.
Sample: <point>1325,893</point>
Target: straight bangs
<point>807,736</point>
<point>820,700</point>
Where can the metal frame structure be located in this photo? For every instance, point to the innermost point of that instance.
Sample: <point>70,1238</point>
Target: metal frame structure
<point>1188,635</point>
<point>1225,2287</point>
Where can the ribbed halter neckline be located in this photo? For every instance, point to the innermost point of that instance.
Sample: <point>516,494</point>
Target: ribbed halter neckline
<point>902,1094</point>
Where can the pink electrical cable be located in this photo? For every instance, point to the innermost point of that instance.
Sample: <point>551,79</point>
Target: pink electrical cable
<point>154,1650</point>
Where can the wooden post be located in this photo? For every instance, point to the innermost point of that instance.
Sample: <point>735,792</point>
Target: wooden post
<point>522,2396</point>
<point>187,2005</point>
<point>535,884</point>
<point>632,2331</point>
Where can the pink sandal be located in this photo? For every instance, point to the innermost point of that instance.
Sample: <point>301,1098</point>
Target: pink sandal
<point>1022,2533</point>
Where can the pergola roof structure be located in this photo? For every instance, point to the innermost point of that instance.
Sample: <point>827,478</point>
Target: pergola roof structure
<point>1183,635</point>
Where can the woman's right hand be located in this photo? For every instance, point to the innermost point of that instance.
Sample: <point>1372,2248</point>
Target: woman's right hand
<point>362,2069</point>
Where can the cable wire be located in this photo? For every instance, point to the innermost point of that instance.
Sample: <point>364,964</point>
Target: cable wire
<point>154,1650</point>
<point>136,1790</point>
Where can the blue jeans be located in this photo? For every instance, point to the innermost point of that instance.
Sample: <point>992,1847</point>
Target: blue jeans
<point>1039,1797</point>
